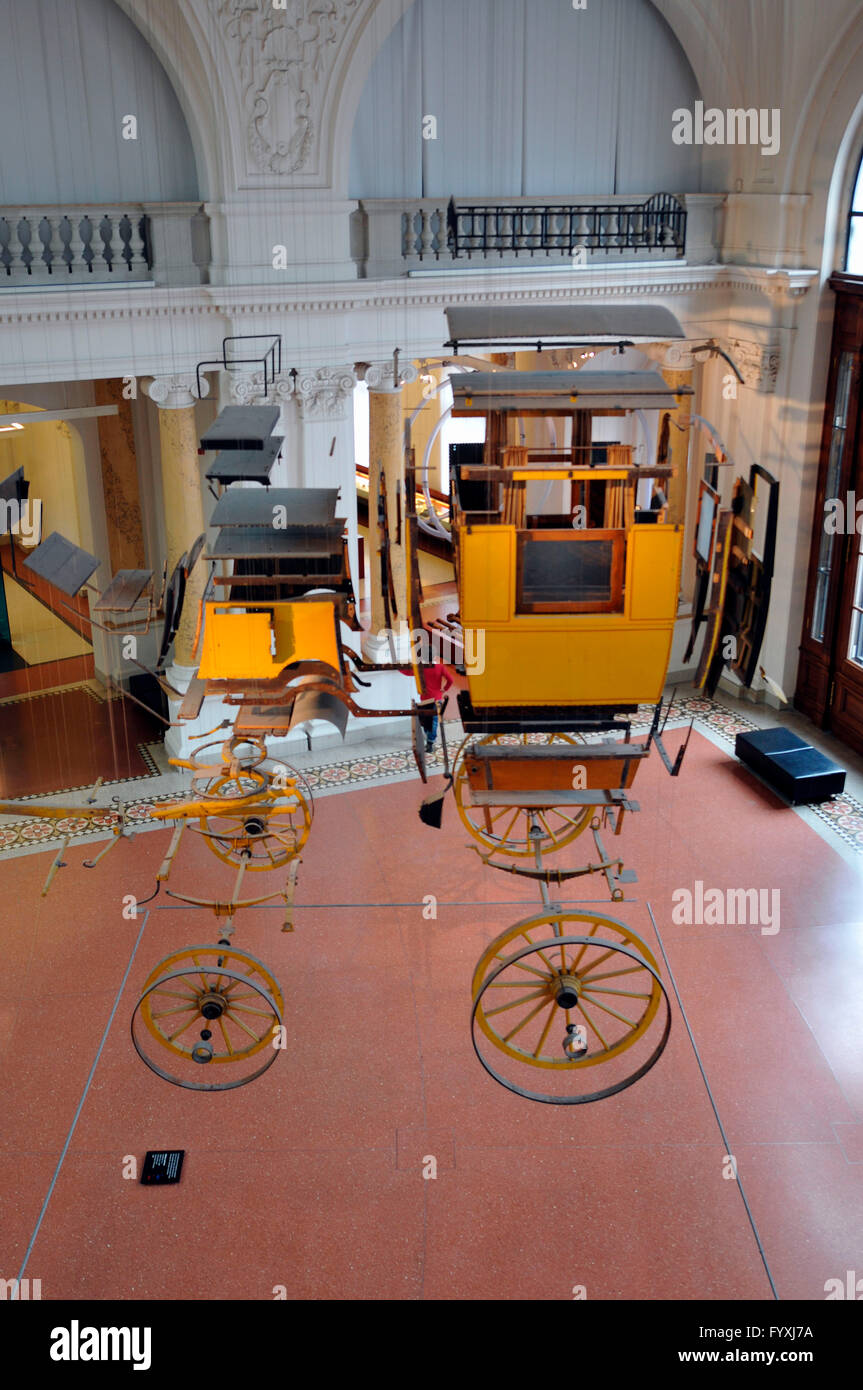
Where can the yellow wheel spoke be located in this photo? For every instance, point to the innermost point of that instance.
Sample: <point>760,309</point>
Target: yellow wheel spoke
<point>538,1049</point>
<point>174,994</point>
<point>165,1013</point>
<point>246,1009</point>
<point>628,1021</point>
<point>205,981</point>
<point>612,974</point>
<point>543,957</point>
<point>604,956</point>
<point>518,1027</point>
<point>627,993</point>
<point>581,952</point>
<point>591,1023</point>
<point>240,1024</point>
<point>504,838</point>
<point>514,1003</point>
<point>514,984</point>
<point>225,1036</point>
<point>531,969</point>
<point>186,1025</point>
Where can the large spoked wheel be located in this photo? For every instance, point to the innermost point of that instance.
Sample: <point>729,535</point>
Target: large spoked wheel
<point>506,829</point>
<point>281,775</point>
<point>267,833</point>
<point>207,1006</point>
<point>249,754</point>
<point>565,992</point>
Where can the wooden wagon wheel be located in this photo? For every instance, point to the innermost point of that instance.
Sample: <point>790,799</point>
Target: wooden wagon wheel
<point>506,829</point>
<point>266,834</point>
<point>208,1005</point>
<point>566,991</point>
<point>249,764</point>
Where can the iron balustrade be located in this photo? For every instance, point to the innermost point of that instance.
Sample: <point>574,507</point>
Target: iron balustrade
<point>658,223</point>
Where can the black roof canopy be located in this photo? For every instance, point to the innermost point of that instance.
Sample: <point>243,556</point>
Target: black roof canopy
<point>526,325</point>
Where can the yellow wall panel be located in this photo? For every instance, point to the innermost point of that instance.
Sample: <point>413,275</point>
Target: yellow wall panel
<point>653,572</point>
<point>487,573</point>
<point>618,664</point>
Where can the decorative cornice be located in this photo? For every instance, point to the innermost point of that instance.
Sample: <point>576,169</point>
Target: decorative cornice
<point>237,301</point>
<point>284,58</point>
<point>176,392</point>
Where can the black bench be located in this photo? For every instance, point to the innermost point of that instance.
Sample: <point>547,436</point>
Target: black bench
<point>792,767</point>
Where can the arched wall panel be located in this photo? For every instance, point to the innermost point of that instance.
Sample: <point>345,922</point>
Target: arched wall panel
<point>70,71</point>
<point>530,97</point>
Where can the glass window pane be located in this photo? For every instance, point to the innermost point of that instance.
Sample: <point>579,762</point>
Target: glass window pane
<point>857,202</point>
<point>570,571</point>
<point>854,263</point>
<point>843,388</point>
<point>855,646</point>
<point>831,490</point>
<point>819,608</point>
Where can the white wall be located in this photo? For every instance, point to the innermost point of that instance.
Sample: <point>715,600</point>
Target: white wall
<point>70,70</point>
<point>530,97</point>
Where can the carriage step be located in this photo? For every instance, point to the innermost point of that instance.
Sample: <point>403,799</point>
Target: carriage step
<point>539,800</point>
<point>558,752</point>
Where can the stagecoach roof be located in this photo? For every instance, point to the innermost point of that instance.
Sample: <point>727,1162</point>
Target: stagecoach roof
<point>578,390</point>
<point>529,324</point>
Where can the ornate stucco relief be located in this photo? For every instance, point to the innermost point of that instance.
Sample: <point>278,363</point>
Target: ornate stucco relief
<point>284,58</point>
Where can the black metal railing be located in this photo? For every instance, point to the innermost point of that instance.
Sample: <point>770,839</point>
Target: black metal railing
<point>659,223</point>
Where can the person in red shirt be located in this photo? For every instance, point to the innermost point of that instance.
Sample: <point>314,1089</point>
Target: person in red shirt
<point>436,681</point>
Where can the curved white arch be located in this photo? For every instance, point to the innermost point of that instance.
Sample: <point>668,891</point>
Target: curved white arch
<point>182,47</point>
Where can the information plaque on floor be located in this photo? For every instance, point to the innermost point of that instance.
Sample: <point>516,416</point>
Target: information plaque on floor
<point>163,1166</point>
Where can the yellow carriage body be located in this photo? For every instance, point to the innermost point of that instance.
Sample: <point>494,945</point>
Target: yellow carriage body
<point>569,658</point>
<point>258,641</point>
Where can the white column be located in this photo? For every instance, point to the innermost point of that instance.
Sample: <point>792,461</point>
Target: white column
<point>182,495</point>
<point>324,399</point>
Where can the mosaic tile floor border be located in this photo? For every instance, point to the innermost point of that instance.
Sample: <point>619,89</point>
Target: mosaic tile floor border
<point>843,815</point>
<point>99,697</point>
<point>152,769</point>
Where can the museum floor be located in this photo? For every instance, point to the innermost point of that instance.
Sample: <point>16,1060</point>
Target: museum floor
<point>312,1178</point>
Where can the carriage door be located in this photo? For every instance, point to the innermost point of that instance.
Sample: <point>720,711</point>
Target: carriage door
<point>830,677</point>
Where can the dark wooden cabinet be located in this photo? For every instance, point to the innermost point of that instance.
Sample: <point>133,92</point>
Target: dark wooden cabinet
<point>830,674</point>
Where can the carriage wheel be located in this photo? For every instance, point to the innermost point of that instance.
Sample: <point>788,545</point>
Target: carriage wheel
<point>564,992</point>
<point>253,777</point>
<point>266,834</point>
<point>283,775</point>
<point>208,1005</point>
<point>506,829</point>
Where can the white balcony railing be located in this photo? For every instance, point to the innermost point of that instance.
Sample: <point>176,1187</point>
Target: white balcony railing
<point>86,245</point>
<point>396,237</point>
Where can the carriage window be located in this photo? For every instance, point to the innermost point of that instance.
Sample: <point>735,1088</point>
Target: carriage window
<point>566,572</point>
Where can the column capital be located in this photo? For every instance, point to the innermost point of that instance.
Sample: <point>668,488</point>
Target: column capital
<point>758,363</point>
<point>379,376</point>
<point>670,356</point>
<point>248,389</point>
<point>177,392</point>
<point>325,393</point>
